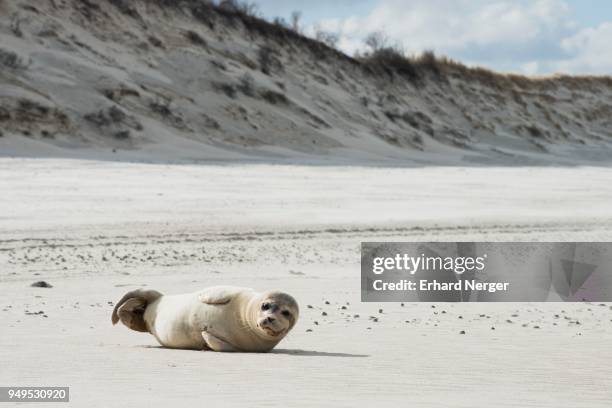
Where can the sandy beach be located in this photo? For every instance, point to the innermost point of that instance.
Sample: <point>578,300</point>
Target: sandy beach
<point>94,230</point>
<point>178,145</point>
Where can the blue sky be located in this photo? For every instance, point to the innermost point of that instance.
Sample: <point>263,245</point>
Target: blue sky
<point>532,37</point>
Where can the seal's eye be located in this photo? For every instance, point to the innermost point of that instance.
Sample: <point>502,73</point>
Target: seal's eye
<point>265,306</point>
<point>286,313</point>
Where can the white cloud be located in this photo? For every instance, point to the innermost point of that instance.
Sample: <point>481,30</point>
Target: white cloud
<point>590,51</point>
<point>526,36</point>
<point>452,25</point>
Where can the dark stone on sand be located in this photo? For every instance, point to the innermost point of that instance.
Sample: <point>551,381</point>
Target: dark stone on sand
<point>41,284</point>
<point>323,314</point>
<point>462,332</point>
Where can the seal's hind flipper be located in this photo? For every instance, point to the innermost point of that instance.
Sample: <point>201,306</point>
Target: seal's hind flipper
<point>130,309</point>
<point>216,344</point>
<point>219,295</point>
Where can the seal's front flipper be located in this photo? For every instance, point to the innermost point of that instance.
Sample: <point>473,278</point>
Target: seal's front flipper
<point>216,344</point>
<point>219,295</point>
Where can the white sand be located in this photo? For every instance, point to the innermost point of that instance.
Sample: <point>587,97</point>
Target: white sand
<point>95,230</point>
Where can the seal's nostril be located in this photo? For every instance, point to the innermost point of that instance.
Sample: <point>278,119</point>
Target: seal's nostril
<point>271,319</point>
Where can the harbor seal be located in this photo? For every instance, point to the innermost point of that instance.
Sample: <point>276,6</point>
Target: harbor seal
<point>219,318</point>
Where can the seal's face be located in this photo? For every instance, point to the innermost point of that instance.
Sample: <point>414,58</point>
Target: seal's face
<point>277,314</point>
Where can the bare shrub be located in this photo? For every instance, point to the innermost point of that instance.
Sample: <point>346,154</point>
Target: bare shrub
<point>27,106</point>
<point>112,116</point>
<point>534,131</point>
<point>28,112</point>
<point>11,60</point>
<point>116,94</point>
<point>296,16</point>
<point>327,37</point>
<point>106,117</point>
<point>195,38</point>
<point>88,8</point>
<point>377,40</point>
<point>274,98</point>
<point>427,61</point>
<point>220,65</point>
<point>245,7</point>
<point>247,85</point>
<point>16,26</point>
<point>202,11</point>
<point>417,120</point>
<point>156,42</point>
<point>122,135</point>
<point>125,7</point>
<point>281,22</point>
<point>268,60</point>
<point>391,60</point>
<point>4,114</point>
<point>163,109</point>
<point>227,89</point>
<point>210,122</point>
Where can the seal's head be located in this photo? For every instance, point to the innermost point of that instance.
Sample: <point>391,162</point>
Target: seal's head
<point>277,314</point>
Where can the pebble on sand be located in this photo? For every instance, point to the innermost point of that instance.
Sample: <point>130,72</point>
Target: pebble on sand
<point>41,284</point>
<point>462,332</point>
<point>323,314</point>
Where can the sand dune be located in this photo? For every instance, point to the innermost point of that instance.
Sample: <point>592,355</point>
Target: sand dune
<point>149,81</point>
